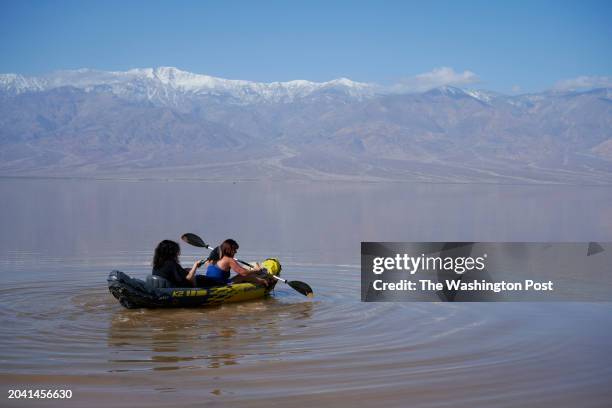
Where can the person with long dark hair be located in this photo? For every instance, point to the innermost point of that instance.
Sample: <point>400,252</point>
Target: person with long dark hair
<point>166,265</point>
<point>219,267</point>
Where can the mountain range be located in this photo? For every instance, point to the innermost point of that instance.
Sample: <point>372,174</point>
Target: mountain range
<point>168,123</point>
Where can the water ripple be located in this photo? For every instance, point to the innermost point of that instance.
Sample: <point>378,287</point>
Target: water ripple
<point>333,342</point>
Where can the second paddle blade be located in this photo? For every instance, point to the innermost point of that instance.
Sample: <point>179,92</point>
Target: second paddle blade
<point>301,287</point>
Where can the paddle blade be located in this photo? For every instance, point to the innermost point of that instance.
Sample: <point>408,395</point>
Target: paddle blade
<point>193,239</point>
<point>301,287</point>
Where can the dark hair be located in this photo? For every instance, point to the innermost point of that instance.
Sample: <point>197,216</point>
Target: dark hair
<point>166,250</point>
<point>228,248</point>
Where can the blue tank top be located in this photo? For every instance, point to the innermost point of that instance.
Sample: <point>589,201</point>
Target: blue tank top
<point>218,274</point>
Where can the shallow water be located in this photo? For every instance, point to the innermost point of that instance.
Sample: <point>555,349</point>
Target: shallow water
<point>62,329</point>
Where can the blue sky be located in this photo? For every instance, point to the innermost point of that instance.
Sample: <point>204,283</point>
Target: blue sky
<point>507,46</point>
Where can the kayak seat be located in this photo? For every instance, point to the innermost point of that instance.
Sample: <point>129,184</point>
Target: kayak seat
<point>157,282</point>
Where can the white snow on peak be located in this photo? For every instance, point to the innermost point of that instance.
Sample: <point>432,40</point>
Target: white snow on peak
<point>172,83</point>
<point>16,83</point>
<point>481,95</point>
<point>346,82</point>
<point>450,90</point>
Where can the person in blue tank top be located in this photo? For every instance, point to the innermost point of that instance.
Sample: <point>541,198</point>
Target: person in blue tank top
<point>218,270</point>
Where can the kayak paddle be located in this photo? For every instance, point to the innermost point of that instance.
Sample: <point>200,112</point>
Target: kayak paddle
<point>301,287</point>
<point>193,239</point>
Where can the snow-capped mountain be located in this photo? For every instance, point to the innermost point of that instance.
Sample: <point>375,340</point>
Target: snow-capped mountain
<point>145,120</point>
<point>168,84</point>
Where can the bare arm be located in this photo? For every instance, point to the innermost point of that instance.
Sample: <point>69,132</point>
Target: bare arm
<point>247,275</point>
<point>191,274</point>
<point>240,270</point>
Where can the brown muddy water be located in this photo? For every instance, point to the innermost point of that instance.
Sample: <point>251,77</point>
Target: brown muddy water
<point>61,329</point>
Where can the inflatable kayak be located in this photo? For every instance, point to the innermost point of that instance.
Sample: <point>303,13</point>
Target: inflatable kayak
<point>154,291</point>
